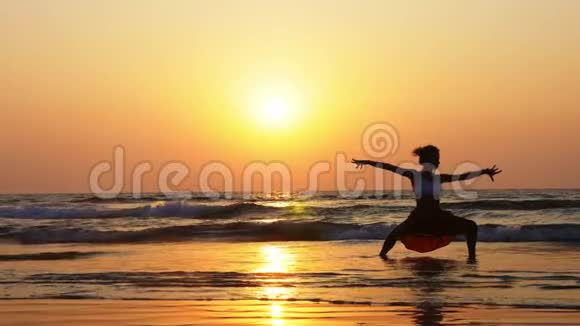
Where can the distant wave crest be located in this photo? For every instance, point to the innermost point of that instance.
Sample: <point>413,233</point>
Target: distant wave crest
<point>164,209</point>
<point>195,210</point>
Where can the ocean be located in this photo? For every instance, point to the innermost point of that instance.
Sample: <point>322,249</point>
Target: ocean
<point>503,216</point>
<point>320,248</point>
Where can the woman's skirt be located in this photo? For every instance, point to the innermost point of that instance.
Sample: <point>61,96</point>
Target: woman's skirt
<point>425,231</point>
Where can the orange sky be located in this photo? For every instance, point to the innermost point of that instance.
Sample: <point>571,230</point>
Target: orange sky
<point>486,81</point>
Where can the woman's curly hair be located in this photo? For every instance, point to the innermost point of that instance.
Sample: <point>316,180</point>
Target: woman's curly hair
<point>427,154</point>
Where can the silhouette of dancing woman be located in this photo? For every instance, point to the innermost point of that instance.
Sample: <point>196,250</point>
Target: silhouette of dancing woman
<point>428,218</point>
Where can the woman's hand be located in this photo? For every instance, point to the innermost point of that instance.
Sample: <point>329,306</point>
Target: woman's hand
<point>359,163</point>
<point>491,172</point>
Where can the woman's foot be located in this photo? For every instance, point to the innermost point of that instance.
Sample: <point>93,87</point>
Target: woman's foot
<point>384,257</point>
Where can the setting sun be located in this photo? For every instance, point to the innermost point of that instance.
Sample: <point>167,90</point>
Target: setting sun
<point>275,107</point>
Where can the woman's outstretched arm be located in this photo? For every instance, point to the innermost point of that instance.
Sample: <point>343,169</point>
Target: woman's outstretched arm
<point>470,175</point>
<point>386,166</point>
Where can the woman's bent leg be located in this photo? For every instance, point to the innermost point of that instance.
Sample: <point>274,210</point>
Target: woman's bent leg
<point>392,238</point>
<point>458,225</point>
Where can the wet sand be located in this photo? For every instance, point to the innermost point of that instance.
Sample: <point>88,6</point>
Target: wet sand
<point>290,283</point>
<point>276,313</point>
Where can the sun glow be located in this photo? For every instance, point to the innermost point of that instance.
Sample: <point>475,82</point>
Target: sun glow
<point>275,107</point>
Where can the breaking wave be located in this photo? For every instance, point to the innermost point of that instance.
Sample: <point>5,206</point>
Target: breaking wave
<point>280,231</point>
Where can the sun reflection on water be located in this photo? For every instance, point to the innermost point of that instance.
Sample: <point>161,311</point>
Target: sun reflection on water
<point>276,260</point>
<point>277,314</point>
<point>294,206</point>
<point>276,264</point>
